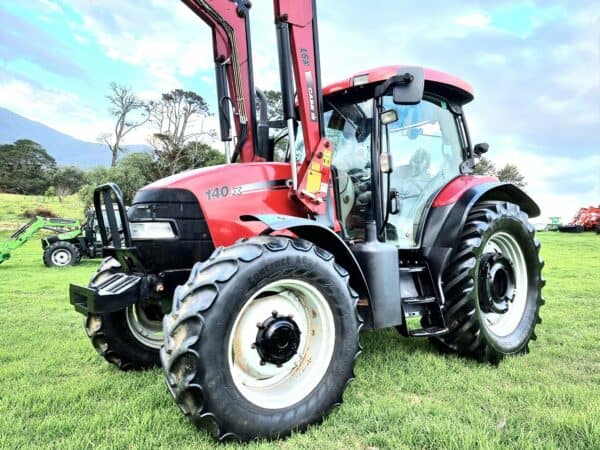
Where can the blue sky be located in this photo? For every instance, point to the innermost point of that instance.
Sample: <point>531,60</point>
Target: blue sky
<point>535,68</point>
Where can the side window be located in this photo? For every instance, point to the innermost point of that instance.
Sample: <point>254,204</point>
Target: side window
<point>348,126</point>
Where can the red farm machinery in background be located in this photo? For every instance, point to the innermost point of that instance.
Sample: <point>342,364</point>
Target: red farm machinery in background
<point>586,219</point>
<point>250,282</point>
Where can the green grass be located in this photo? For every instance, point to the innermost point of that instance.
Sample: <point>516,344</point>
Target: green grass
<point>13,206</point>
<point>55,391</point>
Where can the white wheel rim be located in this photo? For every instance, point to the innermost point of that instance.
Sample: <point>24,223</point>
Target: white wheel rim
<point>147,331</point>
<point>505,324</point>
<point>268,385</point>
<point>61,257</point>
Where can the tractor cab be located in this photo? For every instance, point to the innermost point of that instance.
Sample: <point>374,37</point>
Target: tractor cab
<point>392,154</point>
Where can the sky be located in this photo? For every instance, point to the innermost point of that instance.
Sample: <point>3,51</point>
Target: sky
<point>534,67</point>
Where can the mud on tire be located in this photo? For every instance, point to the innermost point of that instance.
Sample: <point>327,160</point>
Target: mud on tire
<point>111,333</point>
<point>476,329</point>
<point>202,354</point>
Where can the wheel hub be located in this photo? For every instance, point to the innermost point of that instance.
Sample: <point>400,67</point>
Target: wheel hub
<point>496,283</point>
<point>61,257</point>
<point>277,339</point>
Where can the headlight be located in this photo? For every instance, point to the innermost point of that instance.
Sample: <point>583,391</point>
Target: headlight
<point>151,230</point>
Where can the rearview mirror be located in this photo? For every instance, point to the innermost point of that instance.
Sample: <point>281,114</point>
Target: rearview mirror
<point>409,87</point>
<point>481,148</point>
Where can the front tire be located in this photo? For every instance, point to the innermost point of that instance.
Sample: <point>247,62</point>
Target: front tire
<point>130,338</point>
<point>262,339</point>
<point>493,285</point>
<point>61,254</point>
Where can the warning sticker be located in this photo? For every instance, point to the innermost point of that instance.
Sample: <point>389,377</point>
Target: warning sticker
<point>313,182</point>
<point>327,158</point>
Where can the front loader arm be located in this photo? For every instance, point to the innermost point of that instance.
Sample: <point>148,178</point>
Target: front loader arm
<point>27,231</point>
<point>298,47</point>
<point>229,22</point>
<point>297,27</point>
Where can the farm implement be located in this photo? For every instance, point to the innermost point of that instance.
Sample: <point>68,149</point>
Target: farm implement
<point>586,219</point>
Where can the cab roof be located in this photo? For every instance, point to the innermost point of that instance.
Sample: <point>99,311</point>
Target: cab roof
<point>448,86</point>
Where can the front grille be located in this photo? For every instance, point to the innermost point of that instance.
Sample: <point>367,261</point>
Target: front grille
<point>194,242</point>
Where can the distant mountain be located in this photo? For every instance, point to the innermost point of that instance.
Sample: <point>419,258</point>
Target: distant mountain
<point>67,150</point>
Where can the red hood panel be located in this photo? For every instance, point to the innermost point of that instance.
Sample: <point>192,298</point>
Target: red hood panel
<point>227,192</point>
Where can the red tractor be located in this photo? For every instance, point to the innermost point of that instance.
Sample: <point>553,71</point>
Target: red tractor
<point>250,282</point>
<point>586,219</point>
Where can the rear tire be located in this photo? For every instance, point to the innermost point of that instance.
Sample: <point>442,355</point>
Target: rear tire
<point>61,254</point>
<point>221,367</point>
<point>130,338</point>
<point>493,285</point>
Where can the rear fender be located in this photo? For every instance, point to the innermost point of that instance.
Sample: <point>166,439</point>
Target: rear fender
<point>322,237</point>
<point>446,220</point>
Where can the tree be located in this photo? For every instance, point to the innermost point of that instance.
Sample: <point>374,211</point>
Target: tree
<point>274,105</point>
<point>510,173</point>
<point>275,112</point>
<point>133,172</point>
<point>94,177</point>
<point>192,155</point>
<point>66,181</point>
<point>123,105</point>
<point>484,167</point>
<point>26,168</point>
<point>174,115</point>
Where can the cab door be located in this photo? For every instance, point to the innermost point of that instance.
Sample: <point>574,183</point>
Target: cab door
<point>426,153</point>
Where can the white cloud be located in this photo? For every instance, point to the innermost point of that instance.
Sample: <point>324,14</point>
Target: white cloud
<point>64,111</point>
<point>474,20</point>
<point>162,41</point>
<point>560,185</point>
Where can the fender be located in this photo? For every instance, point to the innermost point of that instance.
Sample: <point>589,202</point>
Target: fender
<point>449,212</point>
<point>322,237</point>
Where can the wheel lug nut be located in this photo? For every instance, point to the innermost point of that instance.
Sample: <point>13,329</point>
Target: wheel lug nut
<point>262,362</point>
<point>274,313</point>
<point>259,325</point>
<point>279,365</point>
<point>253,345</point>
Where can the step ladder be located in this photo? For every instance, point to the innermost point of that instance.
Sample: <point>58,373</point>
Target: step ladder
<point>421,301</point>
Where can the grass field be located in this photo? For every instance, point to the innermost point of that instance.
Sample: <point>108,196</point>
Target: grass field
<point>12,207</point>
<point>55,391</point>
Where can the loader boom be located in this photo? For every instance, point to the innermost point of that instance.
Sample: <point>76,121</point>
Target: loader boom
<point>298,55</point>
<point>27,231</point>
<point>229,22</point>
